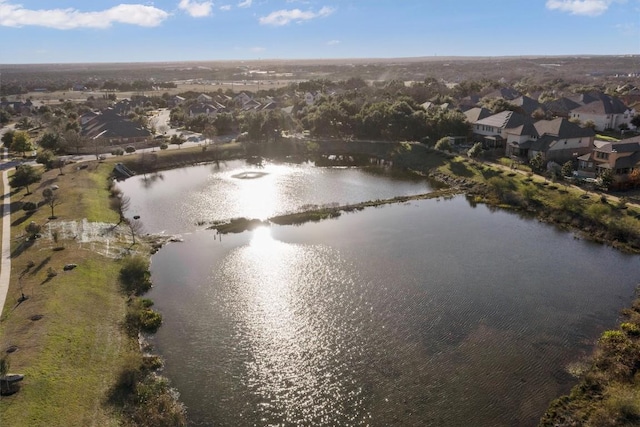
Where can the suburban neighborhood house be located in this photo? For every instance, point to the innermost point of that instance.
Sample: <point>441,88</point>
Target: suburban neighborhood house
<point>113,128</point>
<point>557,140</point>
<point>620,157</point>
<point>490,130</point>
<point>606,112</point>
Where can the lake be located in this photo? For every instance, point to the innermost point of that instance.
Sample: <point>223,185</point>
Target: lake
<point>432,312</point>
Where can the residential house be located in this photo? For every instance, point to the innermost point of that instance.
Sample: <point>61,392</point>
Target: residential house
<point>204,98</point>
<point>561,107</point>
<point>504,92</point>
<point>490,130</point>
<point>86,117</point>
<point>528,105</point>
<point>311,97</point>
<point>476,113</point>
<point>606,112</point>
<point>17,107</point>
<point>242,99</point>
<point>209,110</point>
<point>557,140</point>
<point>113,128</point>
<point>620,157</point>
<point>175,100</point>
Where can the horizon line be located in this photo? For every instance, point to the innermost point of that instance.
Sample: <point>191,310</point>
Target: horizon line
<point>333,59</point>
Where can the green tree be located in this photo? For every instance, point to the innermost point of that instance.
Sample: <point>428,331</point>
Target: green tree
<point>72,139</point>
<point>50,141</point>
<point>7,138</point>
<point>5,117</point>
<point>443,144</point>
<point>537,163</point>
<point>475,151</point>
<point>606,178</point>
<point>45,158</point>
<point>177,140</point>
<point>567,169</point>
<point>21,143</point>
<point>24,176</point>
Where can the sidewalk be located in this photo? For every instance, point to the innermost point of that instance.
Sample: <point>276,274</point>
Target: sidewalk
<point>5,260</point>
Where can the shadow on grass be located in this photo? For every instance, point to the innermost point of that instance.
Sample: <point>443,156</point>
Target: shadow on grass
<point>40,266</point>
<point>23,218</point>
<point>23,246</point>
<point>461,169</point>
<point>490,173</point>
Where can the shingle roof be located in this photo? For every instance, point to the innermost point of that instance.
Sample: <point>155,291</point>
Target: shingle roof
<point>561,106</point>
<point>528,105</point>
<point>525,129</point>
<point>504,92</point>
<point>476,113</point>
<point>562,128</point>
<point>604,105</point>
<point>504,120</point>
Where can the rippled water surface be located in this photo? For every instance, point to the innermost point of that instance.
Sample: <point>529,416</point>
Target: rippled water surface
<point>176,201</point>
<point>427,313</point>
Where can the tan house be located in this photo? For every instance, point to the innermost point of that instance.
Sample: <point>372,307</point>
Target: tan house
<point>620,157</point>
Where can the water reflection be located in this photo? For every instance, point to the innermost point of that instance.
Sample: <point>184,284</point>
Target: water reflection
<point>293,373</point>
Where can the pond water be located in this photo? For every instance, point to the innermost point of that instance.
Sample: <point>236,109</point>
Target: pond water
<point>432,312</point>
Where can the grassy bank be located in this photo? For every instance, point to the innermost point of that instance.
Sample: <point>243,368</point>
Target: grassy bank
<point>67,337</point>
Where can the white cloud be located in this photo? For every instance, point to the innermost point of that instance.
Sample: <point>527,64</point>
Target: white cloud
<point>258,49</point>
<point>284,17</point>
<point>225,7</point>
<point>333,42</point>
<point>15,15</point>
<point>580,7</point>
<point>196,9</point>
<point>245,3</point>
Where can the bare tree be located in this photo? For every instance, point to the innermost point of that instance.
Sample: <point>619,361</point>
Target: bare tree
<point>135,228</point>
<point>51,199</point>
<point>120,204</point>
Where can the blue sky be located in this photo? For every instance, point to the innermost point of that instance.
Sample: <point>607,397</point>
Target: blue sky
<point>45,31</point>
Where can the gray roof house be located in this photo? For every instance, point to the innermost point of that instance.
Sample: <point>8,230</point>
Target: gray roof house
<point>557,140</point>
<point>621,157</point>
<point>490,130</point>
<point>607,112</point>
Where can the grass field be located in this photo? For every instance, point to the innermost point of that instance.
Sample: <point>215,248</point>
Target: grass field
<point>67,336</point>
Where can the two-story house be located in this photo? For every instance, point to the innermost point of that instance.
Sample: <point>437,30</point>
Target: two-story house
<point>557,140</point>
<point>606,112</point>
<point>620,157</point>
<point>491,130</point>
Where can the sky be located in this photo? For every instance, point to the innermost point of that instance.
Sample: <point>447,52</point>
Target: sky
<point>82,31</point>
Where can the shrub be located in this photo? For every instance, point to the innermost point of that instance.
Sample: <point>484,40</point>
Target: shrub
<point>135,275</point>
<point>630,328</point>
<point>33,230</point>
<point>130,149</point>
<point>164,146</point>
<point>118,152</point>
<point>150,320</point>
<point>29,206</point>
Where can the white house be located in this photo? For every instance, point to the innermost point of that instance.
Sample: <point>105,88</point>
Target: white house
<point>606,112</point>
